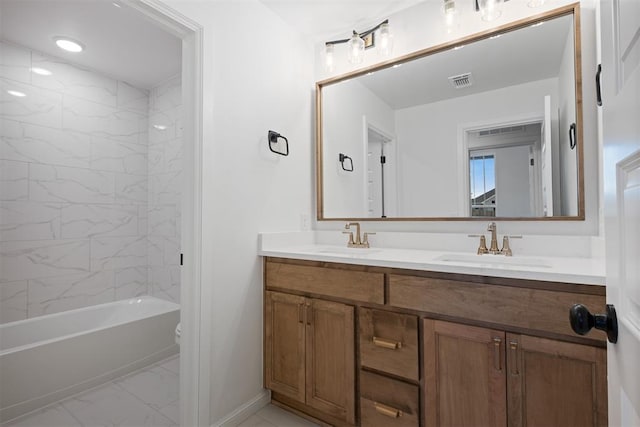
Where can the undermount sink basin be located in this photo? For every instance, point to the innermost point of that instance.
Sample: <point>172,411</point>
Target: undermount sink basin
<point>489,259</point>
<point>347,251</point>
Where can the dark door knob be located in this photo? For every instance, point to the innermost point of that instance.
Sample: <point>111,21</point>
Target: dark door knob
<point>582,321</point>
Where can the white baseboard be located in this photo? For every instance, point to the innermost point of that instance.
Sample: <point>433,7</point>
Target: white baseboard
<point>245,411</point>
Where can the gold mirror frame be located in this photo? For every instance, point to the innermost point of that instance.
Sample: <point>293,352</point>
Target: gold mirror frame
<point>571,9</point>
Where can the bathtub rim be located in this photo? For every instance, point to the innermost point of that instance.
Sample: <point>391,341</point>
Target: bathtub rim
<point>126,301</point>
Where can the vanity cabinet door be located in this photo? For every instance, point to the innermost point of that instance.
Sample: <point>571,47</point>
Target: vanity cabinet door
<point>553,383</point>
<point>285,344</point>
<point>464,373</point>
<point>331,358</point>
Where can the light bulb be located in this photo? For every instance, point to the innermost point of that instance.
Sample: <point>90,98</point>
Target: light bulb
<point>385,40</point>
<point>490,9</point>
<point>355,49</point>
<point>450,13</point>
<point>330,62</point>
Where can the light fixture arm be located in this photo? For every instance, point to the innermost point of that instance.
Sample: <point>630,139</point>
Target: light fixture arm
<point>361,35</point>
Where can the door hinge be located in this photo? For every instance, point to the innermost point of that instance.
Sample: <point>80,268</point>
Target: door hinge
<point>531,162</point>
<point>383,159</point>
<point>181,259</point>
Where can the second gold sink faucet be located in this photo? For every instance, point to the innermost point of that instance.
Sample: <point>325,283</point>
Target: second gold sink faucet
<point>493,246</point>
<point>356,242</point>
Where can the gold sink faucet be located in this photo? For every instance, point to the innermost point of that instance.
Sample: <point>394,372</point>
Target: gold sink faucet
<point>493,248</point>
<point>356,242</point>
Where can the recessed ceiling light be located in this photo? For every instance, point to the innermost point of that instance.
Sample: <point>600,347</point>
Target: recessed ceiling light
<point>16,93</point>
<point>160,127</point>
<point>41,71</point>
<point>68,44</point>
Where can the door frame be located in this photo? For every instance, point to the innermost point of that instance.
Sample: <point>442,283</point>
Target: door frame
<point>366,125</point>
<point>463,151</point>
<point>195,319</point>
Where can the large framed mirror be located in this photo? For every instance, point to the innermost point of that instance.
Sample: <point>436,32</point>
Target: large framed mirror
<point>488,126</point>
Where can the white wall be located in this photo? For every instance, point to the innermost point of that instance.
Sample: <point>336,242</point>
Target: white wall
<point>430,165</point>
<point>73,187</point>
<point>423,26</point>
<point>257,75</point>
<point>343,132</point>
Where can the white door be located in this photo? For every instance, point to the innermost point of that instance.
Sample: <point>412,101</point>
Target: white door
<point>547,160</point>
<point>374,177</point>
<point>620,36</point>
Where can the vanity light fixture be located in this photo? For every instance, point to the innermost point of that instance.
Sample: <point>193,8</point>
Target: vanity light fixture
<point>16,93</point>
<point>358,42</point>
<point>70,45</point>
<point>41,71</point>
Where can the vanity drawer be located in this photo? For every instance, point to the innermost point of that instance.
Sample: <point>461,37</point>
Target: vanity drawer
<point>385,402</point>
<point>348,284</point>
<point>389,342</point>
<point>529,308</point>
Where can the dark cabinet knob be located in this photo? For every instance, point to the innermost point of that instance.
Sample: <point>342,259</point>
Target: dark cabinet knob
<point>582,321</point>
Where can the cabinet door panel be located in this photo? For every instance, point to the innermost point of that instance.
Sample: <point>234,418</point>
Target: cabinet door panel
<point>331,359</point>
<point>284,344</point>
<point>554,383</point>
<point>464,371</point>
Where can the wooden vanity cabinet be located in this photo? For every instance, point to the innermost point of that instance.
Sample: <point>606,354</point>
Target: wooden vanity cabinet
<point>485,377</point>
<point>383,347</point>
<point>309,352</point>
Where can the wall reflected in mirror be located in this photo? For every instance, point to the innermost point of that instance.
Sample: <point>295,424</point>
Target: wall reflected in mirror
<point>476,130</point>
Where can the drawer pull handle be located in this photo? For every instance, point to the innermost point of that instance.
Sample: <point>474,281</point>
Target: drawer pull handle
<point>387,411</point>
<point>393,345</point>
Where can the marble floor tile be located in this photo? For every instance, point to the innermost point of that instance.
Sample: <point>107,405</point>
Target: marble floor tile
<point>256,421</point>
<point>111,405</point>
<point>281,418</point>
<point>157,387</point>
<point>172,364</point>
<point>51,416</point>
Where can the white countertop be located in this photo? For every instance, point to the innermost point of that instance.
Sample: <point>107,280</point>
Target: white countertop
<point>579,270</point>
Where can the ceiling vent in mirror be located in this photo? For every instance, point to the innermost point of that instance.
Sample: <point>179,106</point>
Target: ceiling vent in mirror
<point>501,131</point>
<point>460,81</point>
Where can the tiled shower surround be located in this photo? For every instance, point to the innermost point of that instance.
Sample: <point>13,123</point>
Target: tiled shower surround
<point>89,189</point>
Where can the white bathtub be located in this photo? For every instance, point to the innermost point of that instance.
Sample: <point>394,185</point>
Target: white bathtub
<point>50,357</point>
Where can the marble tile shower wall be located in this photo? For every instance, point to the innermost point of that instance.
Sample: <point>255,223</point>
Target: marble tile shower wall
<point>165,180</point>
<point>73,187</point>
